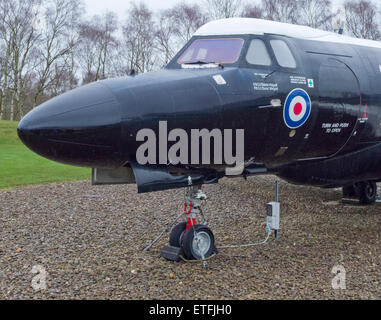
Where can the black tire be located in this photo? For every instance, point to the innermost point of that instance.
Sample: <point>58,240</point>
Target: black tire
<point>177,234</point>
<point>189,245</point>
<point>368,192</point>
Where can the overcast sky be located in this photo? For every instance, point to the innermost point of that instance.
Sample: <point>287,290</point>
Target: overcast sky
<point>121,6</point>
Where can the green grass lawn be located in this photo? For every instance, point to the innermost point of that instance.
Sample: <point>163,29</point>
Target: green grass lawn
<point>19,166</point>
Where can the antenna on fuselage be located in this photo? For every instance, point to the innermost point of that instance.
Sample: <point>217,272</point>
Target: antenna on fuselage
<point>131,73</point>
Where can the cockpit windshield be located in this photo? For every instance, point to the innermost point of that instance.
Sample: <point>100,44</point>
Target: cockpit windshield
<point>201,51</point>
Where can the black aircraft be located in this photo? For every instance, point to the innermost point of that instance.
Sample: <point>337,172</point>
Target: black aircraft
<point>307,99</point>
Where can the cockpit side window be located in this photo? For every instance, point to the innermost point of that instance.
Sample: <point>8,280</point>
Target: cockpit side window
<point>283,54</point>
<point>258,54</point>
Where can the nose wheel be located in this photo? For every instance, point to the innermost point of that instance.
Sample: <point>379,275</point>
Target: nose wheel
<point>199,243</point>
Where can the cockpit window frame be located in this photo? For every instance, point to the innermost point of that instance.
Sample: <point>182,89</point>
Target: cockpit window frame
<point>217,39</point>
<point>174,65</point>
<point>241,62</point>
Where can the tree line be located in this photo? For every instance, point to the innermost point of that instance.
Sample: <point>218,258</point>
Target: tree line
<point>48,47</point>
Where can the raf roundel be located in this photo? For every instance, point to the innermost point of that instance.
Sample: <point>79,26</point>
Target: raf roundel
<point>297,108</point>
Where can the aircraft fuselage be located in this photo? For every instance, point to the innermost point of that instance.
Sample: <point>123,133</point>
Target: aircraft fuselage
<point>337,143</point>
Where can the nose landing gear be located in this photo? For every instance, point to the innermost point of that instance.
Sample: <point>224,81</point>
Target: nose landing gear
<point>189,240</point>
<point>192,242</point>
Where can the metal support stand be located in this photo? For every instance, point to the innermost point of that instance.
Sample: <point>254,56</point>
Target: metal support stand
<point>166,230</point>
<point>277,190</point>
<point>276,233</point>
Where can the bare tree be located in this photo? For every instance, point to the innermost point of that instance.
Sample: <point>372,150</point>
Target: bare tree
<point>139,38</point>
<point>61,80</point>
<point>165,35</point>
<point>56,43</point>
<point>281,10</point>
<point>186,19</point>
<point>98,41</point>
<point>316,13</point>
<point>73,40</point>
<point>5,56</point>
<point>20,37</point>
<point>88,50</point>
<point>176,26</point>
<point>361,19</point>
<point>253,11</point>
<point>222,9</point>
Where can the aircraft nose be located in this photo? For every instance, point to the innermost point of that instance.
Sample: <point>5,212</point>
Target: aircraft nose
<point>81,128</point>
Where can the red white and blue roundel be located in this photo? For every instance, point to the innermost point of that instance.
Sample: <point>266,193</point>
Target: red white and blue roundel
<point>297,108</point>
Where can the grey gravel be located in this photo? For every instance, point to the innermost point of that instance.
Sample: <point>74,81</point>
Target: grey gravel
<point>90,241</point>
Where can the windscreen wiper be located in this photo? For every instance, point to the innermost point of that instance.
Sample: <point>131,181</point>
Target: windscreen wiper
<point>200,62</point>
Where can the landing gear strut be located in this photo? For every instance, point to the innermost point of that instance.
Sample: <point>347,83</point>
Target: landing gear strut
<point>364,192</point>
<point>196,241</point>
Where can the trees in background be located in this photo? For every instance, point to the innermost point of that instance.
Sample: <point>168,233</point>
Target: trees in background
<point>37,40</point>
<point>55,59</point>
<point>186,19</point>
<point>222,9</point>
<point>175,28</point>
<point>19,39</point>
<point>166,36</point>
<point>361,19</point>
<point>253,11</point>
<point>48,46</point>
<point>139,38</point>
<point>313,13</point>
<point>281,10</point>
<point>317,13</point>
<point>96,46</point>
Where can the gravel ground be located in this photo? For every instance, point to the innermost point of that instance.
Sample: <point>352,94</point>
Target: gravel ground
<point>90,241</point>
